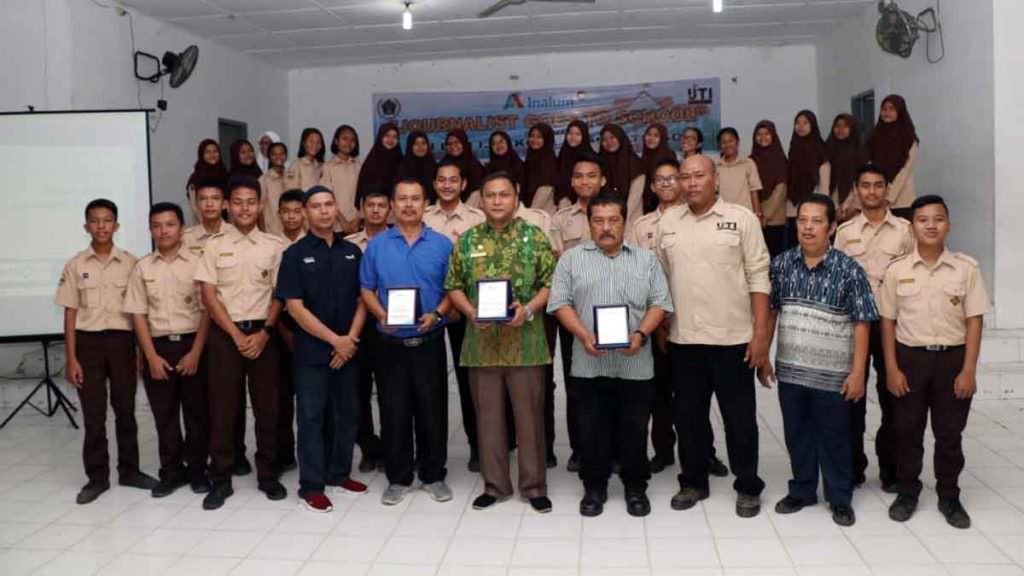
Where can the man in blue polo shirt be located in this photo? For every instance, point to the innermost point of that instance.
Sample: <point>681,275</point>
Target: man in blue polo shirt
<point>414,373</point>
<point>319,283</point>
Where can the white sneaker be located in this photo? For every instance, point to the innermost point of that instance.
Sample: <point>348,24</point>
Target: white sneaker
<point>394,494</point>
<point>439,491</point>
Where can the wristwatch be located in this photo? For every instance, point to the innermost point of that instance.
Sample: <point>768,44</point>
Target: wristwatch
<point>643,336</point>
<point>437,315</point>
<point>529,314</point>
<point>269,329</point>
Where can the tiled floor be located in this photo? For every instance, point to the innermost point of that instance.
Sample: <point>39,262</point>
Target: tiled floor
<point>42,531</point>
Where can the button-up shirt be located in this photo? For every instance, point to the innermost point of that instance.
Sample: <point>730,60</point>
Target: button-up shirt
<point>570,226</point>
<point>586,277</point>
<point>165,290</point>
<point>874,247</point>
<point>272,186</point>
<point>931,305</point>
<point>737,179</point>
<point>817,308</point>
<point>303,173</point>
<point>713,263</point>
<point>326,279</point>
<point>520,252</point>
<point>644,229</point>
<point>341,176</point>
<point>96,289</point>
<point>455,223</point>
<point>243,267</point>
<point>194,237</point>
<point>391,262</point>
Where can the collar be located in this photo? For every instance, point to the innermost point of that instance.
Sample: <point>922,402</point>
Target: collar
<point>592,246</point>
<point>181,254</point>
<point>459,212</point>
<point>236,235</point>
<point>336,159</point>
<point>825,262</point>
<point>115,253</point>
<point>511,227</point>
<point>717,208</point>
<point>393,232</point>
<point>862,220</point>
<point>945,258</point>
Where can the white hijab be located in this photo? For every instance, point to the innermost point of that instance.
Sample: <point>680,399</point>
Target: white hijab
<point>262,161</point>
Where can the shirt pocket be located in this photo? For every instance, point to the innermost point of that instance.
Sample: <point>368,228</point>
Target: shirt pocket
<point>264,267</point>
<point>907,290</point>
<point>88,293</point>
<point>855,249</point>
<point>228,269</point>
<point>636,290</point>
<point>954,295</point>
<point>119,289</point>
<point>667,241</point>
<point>725,249</point>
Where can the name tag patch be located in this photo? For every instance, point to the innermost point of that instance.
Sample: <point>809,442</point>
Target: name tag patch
<point>854,241</point>
<point>907,280</point>
<point>731,226</point>
<point>309,260</point>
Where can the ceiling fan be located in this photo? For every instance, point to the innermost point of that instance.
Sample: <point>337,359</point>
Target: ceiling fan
<point>502,4</point>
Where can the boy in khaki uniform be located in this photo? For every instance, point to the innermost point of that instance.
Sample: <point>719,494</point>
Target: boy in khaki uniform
<point>99,344</point>
<point>171,328</point>
<point>932,302</point>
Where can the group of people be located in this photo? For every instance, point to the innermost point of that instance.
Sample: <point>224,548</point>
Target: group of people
<point>302,295</point>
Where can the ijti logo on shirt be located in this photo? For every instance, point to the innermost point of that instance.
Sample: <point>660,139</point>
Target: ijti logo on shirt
<point>85,275</point>
<point>730,226</point>
<point>955,300</point>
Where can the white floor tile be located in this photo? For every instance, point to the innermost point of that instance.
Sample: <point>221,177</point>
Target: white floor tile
<point>626,553</point>
<point>132,565</point>
<point>14,532</point>
<point>752,553</point>
<point>964,549</point>
<point>316,568</point>
<point>200,566</point>
<point>55,537</point>
<point>406,550</point>
<point>546,553</point>
<point>165,541</point>
<point>75,564</point>
<point>262,567</point>
<point>683,553</point>
<point>808,551</point>
<point>892,550</point>
<point>402,570</point>
<point>288,546</point>
<point>349,548</point>
<point>227,544</point>
<point>479,551</point>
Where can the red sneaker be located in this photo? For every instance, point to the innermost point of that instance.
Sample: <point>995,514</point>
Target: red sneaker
<point>318,503</point>
<point>353,487</point>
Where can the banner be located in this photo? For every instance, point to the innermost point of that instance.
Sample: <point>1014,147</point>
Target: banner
<point>678,105</point>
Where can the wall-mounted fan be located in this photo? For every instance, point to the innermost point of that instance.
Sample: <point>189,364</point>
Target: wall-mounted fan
<point>178,66</point>
<point>502,4</point>
<point>898,30</point>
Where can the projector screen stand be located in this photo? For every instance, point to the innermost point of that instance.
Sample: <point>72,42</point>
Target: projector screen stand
<point>55,399</point>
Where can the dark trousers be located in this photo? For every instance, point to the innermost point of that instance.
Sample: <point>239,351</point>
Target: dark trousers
<point>930,376</point>
<point>172,400</point>
<point>228,373</point>
<point>775,239</point>
<point>885,442</point>
<point>551,333</point>
<point>328,419</point>
<point>369,372</point>
<point>286,411</point>
<point>817,428</point>
<point>414,396</point>
<point>613,415</point>
<point>565,339</point>
<point>104,356</point>
<point>698,371</point>
<point>243,413</point>
<point>456,333</point>
<point>663,436</point>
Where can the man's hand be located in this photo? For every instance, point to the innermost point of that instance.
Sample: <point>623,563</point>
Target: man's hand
<point>382,321</point>
<point>965,385</point>
<point>257,342</point>
<point>853,386</point>
<point>589,341</point>
<point>896,382</point>
<point>158,367</point>
<point>345,348</point>
<point>189,363</point>
<point>766,375</point>
<point>73,373</point>
<point>636,342</point>
<point>427,321</point>
<point>756,355</point>
<point>518,316</point>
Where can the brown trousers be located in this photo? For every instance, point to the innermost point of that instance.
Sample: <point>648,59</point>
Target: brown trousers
<point>524,386</point>
<point>108,355</point>
<point>228,372</point>
<point>172,399</point>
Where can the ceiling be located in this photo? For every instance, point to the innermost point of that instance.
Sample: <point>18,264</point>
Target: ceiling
<point>311,33</point>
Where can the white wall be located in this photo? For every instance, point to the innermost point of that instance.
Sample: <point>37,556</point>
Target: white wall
<point>951,103</point>
<point>771,82</point>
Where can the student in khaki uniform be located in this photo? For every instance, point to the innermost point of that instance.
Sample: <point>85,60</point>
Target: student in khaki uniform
<point>932,302</point>
<point>716,261</point>
<point>272,186</point>
<point>738,178</point>
<point>171,328</point>
<point>874,238</point>
<point>291,216</point>
<point>306,171</point>
<point>238,272</point>
<point>99,346</point>
<point>376,209</point>
<point>341,174</point>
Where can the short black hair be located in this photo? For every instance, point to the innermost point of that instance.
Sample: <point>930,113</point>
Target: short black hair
<point>210,182</point>
<point>591,159</point>
<point>499,175</point>
<point>700,136</point>
<point>276,145</point>
<point>928,200</point>
<point>821,200</point>
<point>377,192</point>
<point>161,207</point>
<point>291,195</point>
<point>98,204</point>
<point>409,180</point>
<point>302,143</point>
<point>728,130</point>
<point>337,132</point>
<point>607,199</point>
<point>871,168</point>
<point>666,162</point>
<point>243,181</point>
<point>449,161</point>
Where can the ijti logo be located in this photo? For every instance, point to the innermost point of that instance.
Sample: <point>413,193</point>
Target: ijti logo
<point>389,107</point>
<point>517,100</point>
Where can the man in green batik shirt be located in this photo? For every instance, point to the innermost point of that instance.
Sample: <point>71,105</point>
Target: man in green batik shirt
<point>509,357</point>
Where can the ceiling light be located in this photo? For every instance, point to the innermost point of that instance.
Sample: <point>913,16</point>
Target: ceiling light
<point>407,18</point>
<point>716,6</point>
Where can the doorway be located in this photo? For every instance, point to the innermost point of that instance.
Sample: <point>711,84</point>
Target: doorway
<point>862,108</point>
<point>229,131</point>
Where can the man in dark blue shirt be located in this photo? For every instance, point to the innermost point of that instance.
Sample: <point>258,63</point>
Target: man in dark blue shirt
<point>319,282</point>
<point>414,374</point>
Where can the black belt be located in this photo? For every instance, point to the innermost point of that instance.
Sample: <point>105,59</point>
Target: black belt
<point>101,332</point>
<point>413,342</point>
<point>250,324</point>
<point>174,337</point>
<point>936,347</point>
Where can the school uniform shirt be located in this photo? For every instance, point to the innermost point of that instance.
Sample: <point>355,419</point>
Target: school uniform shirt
<point>455,223</point>
<point>303,173</point>
<point>737,179</point>
<point>644,230</point>
<point>774,206</point>
<point>194,237</point>
<point>902,191</point>
<point>244,269</point>
<point>165,290</point>
<point>875,247</point>
<point>931,305</point>
<point>713,263</point>
<point>272,185</point>
<point>341,175</point>
<point>570,227</point>
<point>542,220</point>
<point>96,289</point>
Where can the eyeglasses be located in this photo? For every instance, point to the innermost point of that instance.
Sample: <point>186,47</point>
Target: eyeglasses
<point>665,180</point>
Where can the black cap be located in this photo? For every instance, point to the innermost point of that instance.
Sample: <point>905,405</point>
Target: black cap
<point>313,191</point>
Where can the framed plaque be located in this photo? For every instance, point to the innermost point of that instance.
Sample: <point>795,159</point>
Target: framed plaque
<point>494,300</point>
<point>611,326</point>
<point>403,302</point>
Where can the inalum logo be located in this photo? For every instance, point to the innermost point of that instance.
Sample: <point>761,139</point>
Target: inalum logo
<point>513,101</point>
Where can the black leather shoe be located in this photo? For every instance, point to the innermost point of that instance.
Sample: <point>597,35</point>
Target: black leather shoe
<point>484,501</point>
<point>541,504</point>
<point>890,487</point>
<point>637,504</point>
<point>687,498</point>
<point>91,491</point>
<point>167,486</point>
<point>789,505</point>
<point>843,515</point>
<point>217,496</point>
<point>859,480</point>
<point>954,512</point>
<point>574,463</point>
<point>552,461</point>
<point>903,507</point>
<point>592,503</point>
<point>138,480</point>
<point>659,463</point>
<point>242,467</point>
<point>273,489</point>
<point>200,485</point>
<point>748,505</point>
<point>473,465</point>
<point>717,468</point>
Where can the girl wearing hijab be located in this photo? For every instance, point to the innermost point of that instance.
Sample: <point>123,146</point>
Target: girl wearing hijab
<point>541,169</point>
<point>272,185</point>
<point>381,167</point>
<point>656,149</point>
<point>341,175</point>
<point>504,157</point>
<point>457,147</point>
<point>738,180</point>
<point>208,166</point>
<point>893,146</point>
<point>693,142</point>
<point>622,168</point>
<point>772,170</point>
<point>809,170</point>
<point>263,156</point>
<point>575,143</point>
<point>304,172</point>
<point>243,160</point>
<point>846,154</point>
<point>419,163</point>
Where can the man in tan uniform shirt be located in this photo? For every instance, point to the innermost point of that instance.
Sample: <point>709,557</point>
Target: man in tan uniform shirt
<point>932,302</point>
<point>238,272</point>
<point>716,261</point>
<point>99,346</point>
<point>171,328</point>
<point>874,238</point>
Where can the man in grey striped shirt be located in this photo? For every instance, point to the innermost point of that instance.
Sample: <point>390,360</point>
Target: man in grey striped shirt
<point>615,386</point>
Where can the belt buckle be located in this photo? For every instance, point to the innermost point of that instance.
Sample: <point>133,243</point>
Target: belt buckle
<point>174,337</point>
<point>936,348</point>
<point>412,342</point>
<point>245,324</point>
